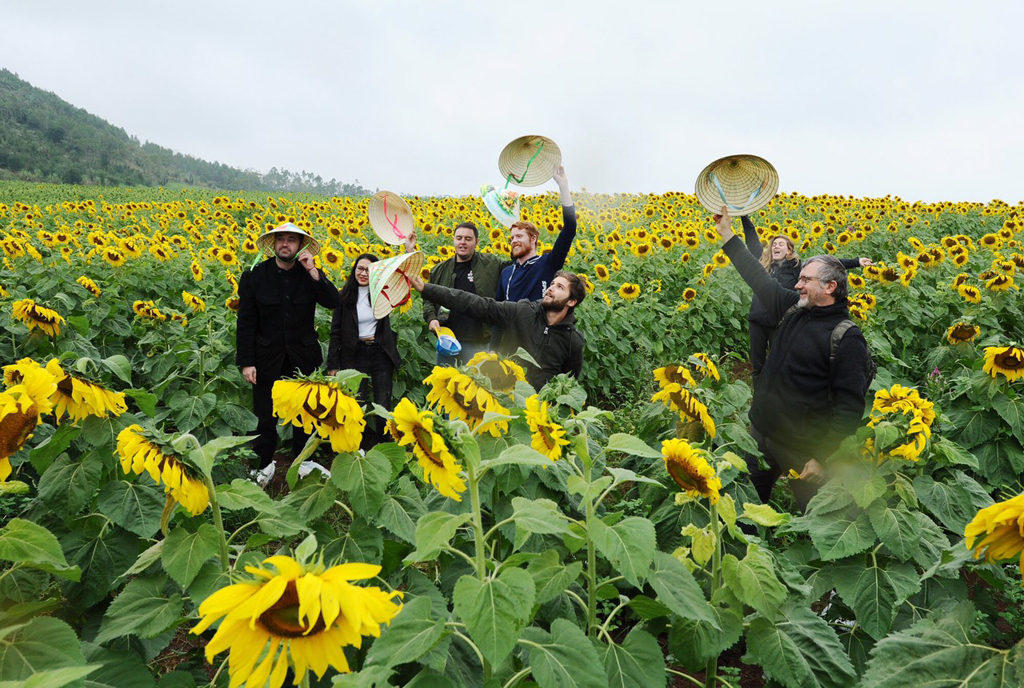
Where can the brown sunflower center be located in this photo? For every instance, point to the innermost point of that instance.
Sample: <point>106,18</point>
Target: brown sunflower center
<point>15,429</point>
<point>425,441</point>
<point>963,333</point>
<point>685,479</point>
<point>282,619</point>
<point>1009,360</point>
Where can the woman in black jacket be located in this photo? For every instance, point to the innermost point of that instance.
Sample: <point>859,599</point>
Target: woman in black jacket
<point>359,341</point>
<point>783,263</point>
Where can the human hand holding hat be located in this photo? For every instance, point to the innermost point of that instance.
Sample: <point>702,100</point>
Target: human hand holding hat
<point>416,282</point>
<point>306,260</point>
<point>723,223</point>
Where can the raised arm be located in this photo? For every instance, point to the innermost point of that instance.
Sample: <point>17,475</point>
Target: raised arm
<point>479,307</point>
<point>751,238</point>
<point>776,298</point>
<point>560,251</point>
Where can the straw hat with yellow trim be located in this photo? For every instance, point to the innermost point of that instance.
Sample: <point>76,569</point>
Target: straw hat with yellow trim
<point>529,160</point>
<point>390,217</point>
<point>389,282</point>
<point>265,243</point>
<point>743,183</point>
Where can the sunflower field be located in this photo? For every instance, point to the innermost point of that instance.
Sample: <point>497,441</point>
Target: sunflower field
<point>596,532</point>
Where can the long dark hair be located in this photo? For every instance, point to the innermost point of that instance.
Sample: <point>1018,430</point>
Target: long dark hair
<point>350,291</point>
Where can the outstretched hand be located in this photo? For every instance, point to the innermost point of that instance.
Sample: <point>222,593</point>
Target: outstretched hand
<point>410,242</point>
<point>723,223</point>
<point>865,262</point>
<point>560,178</point>
<point>416,282</point>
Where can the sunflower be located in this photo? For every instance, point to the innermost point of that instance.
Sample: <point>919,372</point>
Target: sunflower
<point>629,291</point>
<point>905,402</point>
<point>227,257</point>
<point>310,404</point>
<point>969,293</point>
<point>141,450</point>
<point>21,406</point>
<point>34,315</point>
<point>686,404</point>
<point>960,279</point>
<point>690,469</point>
<point>547,437</point>
<point>413,427</point>
<point>689,294</point>
<point>1007,361</point>
<point>80,398</point>
<point>601,271</point>
<point>231,303</point>
<point>961,333</point>
<point>677,374</point>
<point>1002,525</point>
<point>113,256</point>
<point>90,286</point>
<point>462,398</point>
<point>503,373</point>
<point>294,613</point>
<point>194,302</point>
<point>197,271</point>
<point>705,366</point>
<point>1000,283</point>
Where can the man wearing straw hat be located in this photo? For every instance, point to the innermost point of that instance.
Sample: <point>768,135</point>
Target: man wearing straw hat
<point>276,334</point>
<point>471,271</point>
<point>531,274</point>
<point>811,392</point>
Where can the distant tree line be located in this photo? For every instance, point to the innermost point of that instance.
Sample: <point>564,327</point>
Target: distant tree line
<point>45,139</point>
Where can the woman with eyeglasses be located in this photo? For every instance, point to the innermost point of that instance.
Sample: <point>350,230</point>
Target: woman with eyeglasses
<point>359,341</point>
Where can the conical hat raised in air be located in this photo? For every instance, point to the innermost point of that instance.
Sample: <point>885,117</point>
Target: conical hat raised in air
<point>390,217</point>
<point>504,204</point>
<point>389,284</point>
<point>265,242</point>
<point>743,183</point>
<point>529,160</point>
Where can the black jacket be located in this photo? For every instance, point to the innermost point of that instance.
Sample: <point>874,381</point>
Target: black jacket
<point>345,338</point>
<point>556,348</point>
<point>800,402</point>
<point>785,273</point>
<point>274,325</point>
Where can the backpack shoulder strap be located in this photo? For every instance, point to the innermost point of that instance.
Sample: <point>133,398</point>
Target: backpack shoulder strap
<point>837,335</point>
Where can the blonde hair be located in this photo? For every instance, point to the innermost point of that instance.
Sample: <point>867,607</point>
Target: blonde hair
<point>766,255</point>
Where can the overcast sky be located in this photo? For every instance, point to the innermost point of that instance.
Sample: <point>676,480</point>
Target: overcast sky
<point>924,100</point>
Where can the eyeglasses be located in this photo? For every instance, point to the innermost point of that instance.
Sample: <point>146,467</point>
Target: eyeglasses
<point>362,269</point>
<point>808,279</point>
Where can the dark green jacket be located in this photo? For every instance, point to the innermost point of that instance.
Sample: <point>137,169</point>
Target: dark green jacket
<point>486,270</point>
<point>556,348</point>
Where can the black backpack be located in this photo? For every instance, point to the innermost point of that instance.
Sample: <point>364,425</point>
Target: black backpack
<point>871,368</point>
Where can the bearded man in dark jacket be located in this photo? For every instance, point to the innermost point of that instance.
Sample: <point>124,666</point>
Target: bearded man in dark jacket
<point>804,405</point>
<point>275,334</point>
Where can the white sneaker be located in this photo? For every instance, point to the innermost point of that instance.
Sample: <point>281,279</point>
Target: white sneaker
<point>307,467</point>
<point>263,475</point>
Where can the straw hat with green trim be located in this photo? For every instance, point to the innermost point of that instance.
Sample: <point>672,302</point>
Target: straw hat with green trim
<point>529,160</point>
<point>389,281</point>
<point>266,241</point>
<point>743,183</point>
<point>390,217</point>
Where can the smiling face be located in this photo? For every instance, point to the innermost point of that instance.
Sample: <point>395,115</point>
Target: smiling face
<point>780,249</point>
<point>465,242</point>
<point>811,289</point>
<point>557,295</point>
<point>363,272</point>
<point>523,244</point>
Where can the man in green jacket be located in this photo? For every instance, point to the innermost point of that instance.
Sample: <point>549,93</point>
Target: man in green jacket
<point>469,271</point>
<point>546,329</point>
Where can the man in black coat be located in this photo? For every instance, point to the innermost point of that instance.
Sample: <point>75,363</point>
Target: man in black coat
<point>276,334</point>
<point>804,404</point>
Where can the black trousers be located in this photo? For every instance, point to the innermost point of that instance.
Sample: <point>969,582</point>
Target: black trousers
<point>779,461</point>
<point>372,360</point>
<point>266,428</point>
<point>760,339</point>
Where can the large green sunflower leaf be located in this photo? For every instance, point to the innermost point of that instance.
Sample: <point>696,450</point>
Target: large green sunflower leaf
<point>564,658</point>
<point>799,649</point>
<point>495,611</point>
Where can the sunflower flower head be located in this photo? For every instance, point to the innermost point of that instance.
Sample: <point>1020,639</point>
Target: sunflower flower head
<point>462,398</point>
<point>962,333</point>
<point>294,614</point>
<point>502,373</point>
<point>1007,361</point>
<point>89,286</point>
<point>679,374</point>
<point>313,403</point>
<point>34,315</point>
<point>690,468</point>
<point>681,400</point>
<point>547,437</point>
<point>1001,529</point>
<point>907,408</point>
<point>629,291</point>
<point>414,428</point>
<point>143,450</point>
<point>194,302</point>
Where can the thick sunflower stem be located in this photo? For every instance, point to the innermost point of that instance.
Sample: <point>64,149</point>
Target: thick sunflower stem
<point>218,523</point>
<point>591,575</point>
<point>478,536</point>
<point>711,674</point>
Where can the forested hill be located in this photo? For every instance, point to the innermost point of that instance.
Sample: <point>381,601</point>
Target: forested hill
<point>45,139</point>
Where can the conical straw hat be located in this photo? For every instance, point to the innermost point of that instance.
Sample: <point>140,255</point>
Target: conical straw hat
<point>265,242</point>
<point>529,160</point>
<point>493,199</point>
<point>390,217</point>
<point>389,285</point>
<point>744,183</point>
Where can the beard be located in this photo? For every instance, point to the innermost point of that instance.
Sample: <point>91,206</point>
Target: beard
<point>802,303</point>
<point>553,305</point>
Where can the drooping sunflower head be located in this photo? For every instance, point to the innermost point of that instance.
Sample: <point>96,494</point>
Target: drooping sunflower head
<point>462,398</point>
<point>415,429</point>
<point>704,367</point>
<point>678,374</point>
<point>1000,283</point>
<point>547,437</point>
<point>681,400</point>
<point>962,333</point>
<point>691,470</point>
<point>291,613</point>
<point>80,398</point>
<point>1007,361</point>
<point>502,373</point>
<point>34,315</point>
<point>90,286</point>
<point>194,302</point>
<point>970,293</point>
<point>1001,528</point>
<point>146,450</point>
<point>320,405</point>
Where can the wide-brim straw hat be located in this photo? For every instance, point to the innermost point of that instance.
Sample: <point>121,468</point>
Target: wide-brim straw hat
<point>492,200</point>
<point>265,242</point>
<point>391,217</point>
<point>743,183</point>
<point>389,281</point>
<point>529,160</point>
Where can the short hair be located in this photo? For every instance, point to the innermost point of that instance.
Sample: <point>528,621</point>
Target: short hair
<point>577,288</point>
<point>468,225</point>
<point>528,227</point>
<point>832,270</point>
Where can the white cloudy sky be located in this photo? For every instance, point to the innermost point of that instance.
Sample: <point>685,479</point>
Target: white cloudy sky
<point>924,100</point>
